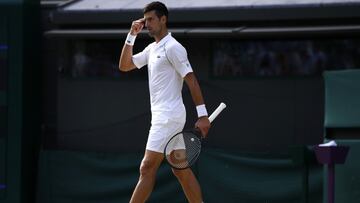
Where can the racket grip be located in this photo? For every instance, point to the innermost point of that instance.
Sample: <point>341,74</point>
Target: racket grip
<point>217,111</point>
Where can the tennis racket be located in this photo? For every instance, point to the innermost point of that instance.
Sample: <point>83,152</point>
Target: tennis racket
<point>183,149</point>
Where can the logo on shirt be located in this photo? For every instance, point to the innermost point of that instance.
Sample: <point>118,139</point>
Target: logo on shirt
<point>158,57</point>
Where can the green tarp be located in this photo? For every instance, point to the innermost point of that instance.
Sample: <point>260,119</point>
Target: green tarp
<point>342,110</point>
<point>79,177</point>
<point>82,177</point>
<point>347,176</point>
<point>234,177</point>
<point>342,98</point>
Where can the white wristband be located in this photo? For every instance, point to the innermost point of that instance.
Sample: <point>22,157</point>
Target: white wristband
<point>130,39</point>
<point>201,110</point>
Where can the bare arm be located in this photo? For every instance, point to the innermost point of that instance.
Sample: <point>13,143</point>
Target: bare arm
<point>203,123</point>
<point>125,62</point>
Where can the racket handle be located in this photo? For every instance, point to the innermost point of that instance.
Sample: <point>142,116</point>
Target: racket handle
<point>217,111</point>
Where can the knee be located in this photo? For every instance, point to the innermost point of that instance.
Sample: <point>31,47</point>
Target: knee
<point>181,174</point>
<point>147,168</point>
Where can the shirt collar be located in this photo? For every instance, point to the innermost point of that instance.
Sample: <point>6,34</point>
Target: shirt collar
<point>163,40</point>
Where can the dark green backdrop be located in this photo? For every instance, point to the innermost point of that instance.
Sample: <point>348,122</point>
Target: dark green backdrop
<point>225,176</point>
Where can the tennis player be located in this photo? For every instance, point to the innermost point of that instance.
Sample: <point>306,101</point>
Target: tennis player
<point>168,66</point>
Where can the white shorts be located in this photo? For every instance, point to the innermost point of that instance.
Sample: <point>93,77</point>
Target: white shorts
<point>161,132</point>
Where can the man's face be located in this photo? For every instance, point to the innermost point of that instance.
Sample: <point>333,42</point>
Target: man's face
<point>153,23</point>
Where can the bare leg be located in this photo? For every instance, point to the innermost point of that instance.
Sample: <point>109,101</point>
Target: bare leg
<point>148,169</point>
<point>189,184</point>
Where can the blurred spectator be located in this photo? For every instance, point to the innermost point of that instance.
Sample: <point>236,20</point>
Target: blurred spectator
<point>284,58</point>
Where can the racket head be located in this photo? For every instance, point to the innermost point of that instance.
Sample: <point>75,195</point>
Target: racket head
<point>183,149</point>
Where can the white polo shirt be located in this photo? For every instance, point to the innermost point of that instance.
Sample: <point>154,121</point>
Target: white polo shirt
<point>167,64</point>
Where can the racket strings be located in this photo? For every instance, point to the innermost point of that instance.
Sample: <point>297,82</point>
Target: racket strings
<point>183,150</point>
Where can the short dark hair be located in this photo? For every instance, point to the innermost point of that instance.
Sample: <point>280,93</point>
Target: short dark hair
<point>159,8</point>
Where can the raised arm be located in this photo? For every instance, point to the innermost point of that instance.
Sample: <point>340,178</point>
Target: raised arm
<point>125,62</point>
<point>203,123</point>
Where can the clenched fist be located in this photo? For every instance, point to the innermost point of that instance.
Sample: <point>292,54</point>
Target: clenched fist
<point>137,26</point>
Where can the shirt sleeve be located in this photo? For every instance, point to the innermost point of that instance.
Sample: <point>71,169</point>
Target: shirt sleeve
<point>177,55</point>
<point>141,59</point>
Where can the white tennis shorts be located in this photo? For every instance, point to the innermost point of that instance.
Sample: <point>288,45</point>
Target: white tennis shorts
<point>162,130</point>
